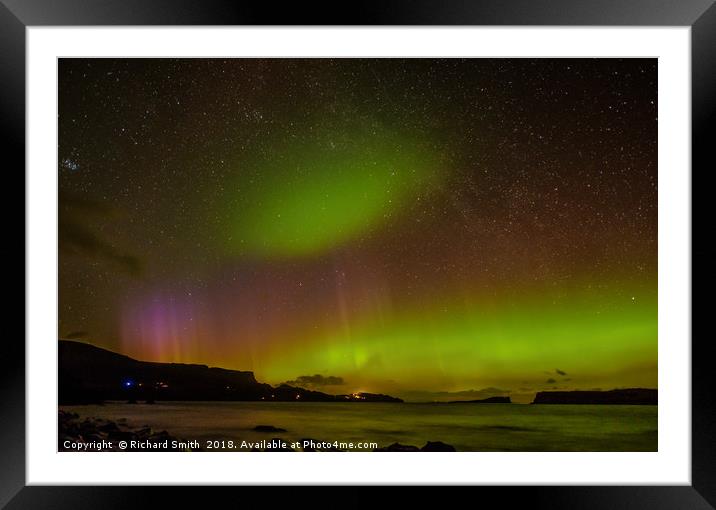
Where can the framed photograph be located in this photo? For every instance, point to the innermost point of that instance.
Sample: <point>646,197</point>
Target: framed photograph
<point>414,245</point>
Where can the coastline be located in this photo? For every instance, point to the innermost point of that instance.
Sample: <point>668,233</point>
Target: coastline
<point>242,426</point>
<point>93,434</point>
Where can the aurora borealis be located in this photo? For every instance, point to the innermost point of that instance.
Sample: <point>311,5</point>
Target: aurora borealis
<point>399,225</point>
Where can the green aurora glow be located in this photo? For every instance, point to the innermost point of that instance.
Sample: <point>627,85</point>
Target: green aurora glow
<point>304,198</point>
<point>409,224</point>
<point>485,343</point>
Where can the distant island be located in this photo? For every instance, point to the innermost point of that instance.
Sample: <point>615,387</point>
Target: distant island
<point>629,396</point>
<point>90,375</point>
<point>489,400</point>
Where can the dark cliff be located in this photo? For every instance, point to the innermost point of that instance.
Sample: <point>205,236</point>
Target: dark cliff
<point>89,374</point>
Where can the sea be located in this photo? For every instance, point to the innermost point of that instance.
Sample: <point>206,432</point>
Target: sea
<point>467,427</point>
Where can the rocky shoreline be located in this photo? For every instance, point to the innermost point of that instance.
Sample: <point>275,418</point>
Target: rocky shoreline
<point>76,434</point>
<point>430,446</point>
<point>98,434</point>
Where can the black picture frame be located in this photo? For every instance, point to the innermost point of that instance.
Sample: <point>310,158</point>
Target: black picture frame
<point>700,15</point>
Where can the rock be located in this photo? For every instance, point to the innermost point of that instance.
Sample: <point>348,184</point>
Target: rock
<point>87,427</point>
<point>144,432</point>
<point>65,416</point>
<point>397,447</point>
<point>98,429</point>
<point>70,428</point>
<point>93,438</point>
<point>268,428</point>
<point>121,435</point>
<point>108,427</point>
<point>160,436</point>
<point>437,446</point>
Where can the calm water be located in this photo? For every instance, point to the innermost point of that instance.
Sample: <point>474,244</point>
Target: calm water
<point>481,427</point>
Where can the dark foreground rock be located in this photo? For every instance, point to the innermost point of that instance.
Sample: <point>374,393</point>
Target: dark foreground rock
<point>397,447</point>
<point>97,434</point>
<point>430,446</point>
<point>437,446</point>
<point>268,428</point>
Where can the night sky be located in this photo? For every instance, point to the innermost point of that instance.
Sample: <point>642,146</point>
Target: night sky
<point>404,226</point>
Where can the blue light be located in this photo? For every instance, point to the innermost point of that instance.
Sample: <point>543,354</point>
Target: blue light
<point>128,384</point>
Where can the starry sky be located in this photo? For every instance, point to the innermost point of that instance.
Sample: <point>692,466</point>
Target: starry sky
<point>420,227</point>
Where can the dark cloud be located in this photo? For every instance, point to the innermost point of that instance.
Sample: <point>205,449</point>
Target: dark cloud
<point>550,381</point>
<point>76,334</point>
<point>316,380</point>
<point>560,372</point>
<point>76,236</point>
